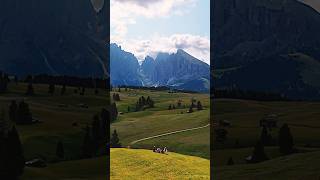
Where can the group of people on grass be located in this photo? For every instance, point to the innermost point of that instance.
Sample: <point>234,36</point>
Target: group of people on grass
<point>160,150</point>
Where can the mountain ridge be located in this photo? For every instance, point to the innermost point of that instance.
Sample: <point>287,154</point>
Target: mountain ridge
<point>172,70</point>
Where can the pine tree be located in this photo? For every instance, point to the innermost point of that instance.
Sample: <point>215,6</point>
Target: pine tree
<point>63,90</point>
<point>230,161</point>
<point>114,141</point>
<point>190,109</point>
<point>15,153</point>
<point>87,149</point>
<point>169,108</point>
<point>258,153</point>
<point>285,140</point>
<point>265,137</point>
<point>13,111</point>
<point>199,106</point>
<point>24,115</point>
<point>60,150</point>
<point>51,89</point>
<point>30,90</point>
<point>128,108</point>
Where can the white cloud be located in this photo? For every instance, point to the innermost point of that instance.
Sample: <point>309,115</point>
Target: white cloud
<point>124,12</point>
<point>197,46</point>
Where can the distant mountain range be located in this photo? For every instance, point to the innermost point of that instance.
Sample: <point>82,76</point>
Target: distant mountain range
<point>57,37</point>
<point>269,46</point>
<point>178,70</point>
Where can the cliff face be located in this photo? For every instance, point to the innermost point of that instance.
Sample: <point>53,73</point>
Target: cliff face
<point>176,69</point>
<point>54,37</point>
<point>255,41</point>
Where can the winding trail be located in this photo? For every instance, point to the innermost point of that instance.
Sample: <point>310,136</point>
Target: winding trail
<point>169,133</point>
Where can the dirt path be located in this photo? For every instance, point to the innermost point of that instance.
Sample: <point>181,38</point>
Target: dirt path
<point>169,133</point>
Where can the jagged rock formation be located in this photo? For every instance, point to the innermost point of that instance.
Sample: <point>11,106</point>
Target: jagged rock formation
<point>53,37</point>
<point>124,67</point>
<point>266,45</point>
<point>178,70</point>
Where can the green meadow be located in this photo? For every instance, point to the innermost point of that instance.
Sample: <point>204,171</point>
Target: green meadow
<point>303,119</point>
<point>58,115</point>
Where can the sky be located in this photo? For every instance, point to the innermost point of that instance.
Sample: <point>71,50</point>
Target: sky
<point>147,27</point>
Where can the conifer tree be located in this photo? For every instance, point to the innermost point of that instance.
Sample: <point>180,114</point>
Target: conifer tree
<point>285,140</point>
<point>114,141</point>
<point>60,150</point>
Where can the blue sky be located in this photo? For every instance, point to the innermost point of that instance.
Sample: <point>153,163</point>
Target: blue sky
<point>148,27</point>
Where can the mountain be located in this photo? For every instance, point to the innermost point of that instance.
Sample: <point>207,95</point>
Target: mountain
<point>269,46</point>
<point>124,67</point>
<point>54,37</point>
<point>177,70</point>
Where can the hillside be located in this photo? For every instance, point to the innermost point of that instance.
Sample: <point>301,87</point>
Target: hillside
<point>70,170</point>
<point>61,119</point>
<point>298,166</point>
<point>145,164</point>
<point>132,126</point>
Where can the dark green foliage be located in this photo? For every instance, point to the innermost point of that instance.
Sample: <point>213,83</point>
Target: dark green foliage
<point>4,80</point>
<point>230,161</point>
<point>113,111</point>
<point>30,90</point>
<point>169,108</point>
<point>96,91</point>
<point>220,135</point>
<point>144,103</point>
<point>285,140</point>
<point>258,153</point>
<point>128,108</point>
<point>24,115</point>
<point>265,137</point>
<point>83,90</point>
<point>51,89</point>
<point>190,109</point>
<point>11,154</point>
<point>116,97</point>
<point>60,150</point>
<point>63,90</point>
<point>87,147</point>
<point>13,111</point>
<point>199,106</point>
<point>114,141</point>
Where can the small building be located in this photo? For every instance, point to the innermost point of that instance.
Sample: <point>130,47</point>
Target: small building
<point>37,162</point>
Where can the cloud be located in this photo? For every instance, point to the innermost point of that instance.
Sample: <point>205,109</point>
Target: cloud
<point>197,46</point>
<point>125,12</point>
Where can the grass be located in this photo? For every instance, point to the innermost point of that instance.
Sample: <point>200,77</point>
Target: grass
<point>132,126</point>
<point>145,164</point>
<point>94,169</point>
<point>40,140</point>
<point>304,122</point>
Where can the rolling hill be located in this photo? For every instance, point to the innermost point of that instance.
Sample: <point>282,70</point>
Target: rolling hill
<point>145,164</point>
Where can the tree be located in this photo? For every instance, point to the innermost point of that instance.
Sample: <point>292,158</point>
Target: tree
<point>199,106</point>
<point>230,161</point>
<point>60,150</point>
<point>258,153</point>
<point>265,137</point>
<point>51,89</point>
<point>96,91</point>
<point>128,108</point>
<point>285,140</point>
<point>63,90</point>
<point>30,90</point>
<point>13,111</point>
<point>190,109</point>
<point>114,141</point>
<point>14,154</point>
<point>24,115</point>
<point>169,108</point>
<point>87,149</point>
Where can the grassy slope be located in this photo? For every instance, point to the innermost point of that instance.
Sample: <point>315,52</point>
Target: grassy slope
<point>303,120</point>
<point>40,140</point>
<point>297,166</point>
<point>145,164</point>
<point>136,125</point>
<point>94,169</point>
